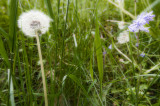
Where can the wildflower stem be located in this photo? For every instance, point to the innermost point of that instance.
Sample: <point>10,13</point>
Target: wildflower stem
<point>122,16</point>
<point>139,78</point>
<point>135,7</point>
<point>137,86</point>
<point>121,5</point>
<point>42,69</point>
<point>123,10</point>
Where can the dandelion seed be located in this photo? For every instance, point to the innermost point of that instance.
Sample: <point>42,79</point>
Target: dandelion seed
<point>123,37</point>
<point>32,21</point>
<point>142,19</point>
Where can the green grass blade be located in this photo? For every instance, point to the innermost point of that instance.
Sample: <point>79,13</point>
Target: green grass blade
<point>4,34</point>
<point>63,37</point>
<point>11,89</point>
<point>12,33</point>
<point>77,81</point>
<point>28,73</point>
<point>152,5</point>
<point>50,11</point>
<point>3,52</point>
<point>91,67</point>
<point>13,23</point>
<point>99,50</point>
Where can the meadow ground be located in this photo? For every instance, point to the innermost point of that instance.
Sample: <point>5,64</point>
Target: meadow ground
<point>86,62</point>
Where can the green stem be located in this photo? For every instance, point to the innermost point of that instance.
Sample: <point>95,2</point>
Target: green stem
<point>139,78</point>
<point>63,37</point>
<point>135,7</point>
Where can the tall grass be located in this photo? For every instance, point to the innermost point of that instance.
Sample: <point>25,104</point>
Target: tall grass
<point>98,46</point>
<point>80,69</point>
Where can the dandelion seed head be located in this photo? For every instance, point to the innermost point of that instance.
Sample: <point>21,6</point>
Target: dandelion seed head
<point>123,37</point>
<point>32,21</point>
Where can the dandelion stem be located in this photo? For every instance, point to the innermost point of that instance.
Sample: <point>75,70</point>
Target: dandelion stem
<point>42,69</point>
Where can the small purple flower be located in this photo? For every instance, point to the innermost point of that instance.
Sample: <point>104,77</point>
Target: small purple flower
<point>104,53</point>
<point>142,54</point>
<point>133,27</point>
<point>137,44</point>
<point>149,17</point>
<point>142,19</point>
<point>136,27</point>
<point>110,47</point>
<point>145,29</point>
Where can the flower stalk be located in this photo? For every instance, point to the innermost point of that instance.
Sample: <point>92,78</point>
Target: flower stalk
<point>135,7</point>
<point>42,69</point>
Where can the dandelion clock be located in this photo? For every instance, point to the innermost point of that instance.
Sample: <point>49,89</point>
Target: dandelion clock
<point>33,24</point>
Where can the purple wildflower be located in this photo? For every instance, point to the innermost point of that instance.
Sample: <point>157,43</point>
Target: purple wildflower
<point>142,19</point>
<point>142,54</point>
<point>149,17</point>
<point>110,46</point>
<point>135,27</point>
<point>104,53</point>
<point>137,44</point>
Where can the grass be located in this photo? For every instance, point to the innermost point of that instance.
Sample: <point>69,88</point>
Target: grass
<point>79,67</point>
